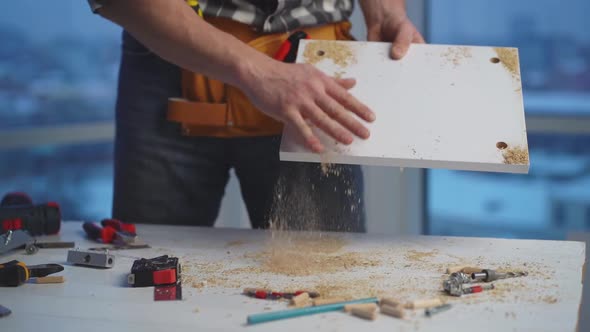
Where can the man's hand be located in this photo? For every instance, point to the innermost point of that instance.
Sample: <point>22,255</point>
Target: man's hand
<point>387,21</point>
<point>295,94</point>
<point>300,96</point>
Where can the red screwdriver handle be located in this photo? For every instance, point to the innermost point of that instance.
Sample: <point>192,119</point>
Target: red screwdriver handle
<point>106,234</point>
<point>119,226</point>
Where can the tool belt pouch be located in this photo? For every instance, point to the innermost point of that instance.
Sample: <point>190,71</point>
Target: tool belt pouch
<point>211,108</point>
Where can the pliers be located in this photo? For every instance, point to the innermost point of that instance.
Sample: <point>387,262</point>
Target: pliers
<point>15,273</point>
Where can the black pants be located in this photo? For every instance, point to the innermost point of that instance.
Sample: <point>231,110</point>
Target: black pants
<point>163,177</point>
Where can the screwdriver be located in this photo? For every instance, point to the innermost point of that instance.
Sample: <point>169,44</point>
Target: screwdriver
<point>119,226</point>
<point>268,294</point>
<point>492,275</point>
<point>15,273</point>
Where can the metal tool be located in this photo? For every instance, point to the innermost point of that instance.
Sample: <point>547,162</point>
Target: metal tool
<point>16,239</point>
<point>487,275</point>
<point>15,273</point>
<point>454,284</point>
<point>4,311</point>
<point>20,238</point>
<point>91,258</point>
<point>123,247</point>
<point>435,310</point>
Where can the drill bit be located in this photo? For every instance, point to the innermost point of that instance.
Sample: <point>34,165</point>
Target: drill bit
<point>431,311</point>
<point>492,275</point>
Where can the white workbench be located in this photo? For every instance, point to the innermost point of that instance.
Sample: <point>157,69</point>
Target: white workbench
<point>99,300</point>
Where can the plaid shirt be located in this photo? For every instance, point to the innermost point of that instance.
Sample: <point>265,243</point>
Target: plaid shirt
<point>279,15</point>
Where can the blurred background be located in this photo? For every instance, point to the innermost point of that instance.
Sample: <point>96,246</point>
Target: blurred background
<point>58,76</point>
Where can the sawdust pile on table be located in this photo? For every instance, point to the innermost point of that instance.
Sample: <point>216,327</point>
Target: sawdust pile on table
<point>296,256</point>
<point>325,263</point>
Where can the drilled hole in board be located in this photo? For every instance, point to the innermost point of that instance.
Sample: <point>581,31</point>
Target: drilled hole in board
<point>501,145</point>
<point>321,53</point>
<point>495,60</point>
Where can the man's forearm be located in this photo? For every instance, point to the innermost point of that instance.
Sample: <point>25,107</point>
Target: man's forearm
<point>175,32</point>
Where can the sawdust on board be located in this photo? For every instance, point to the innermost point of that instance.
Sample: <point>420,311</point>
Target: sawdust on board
<point>516,156</point>
<point>509,59</point>
<point>339,52</point>
<point>456,54</point>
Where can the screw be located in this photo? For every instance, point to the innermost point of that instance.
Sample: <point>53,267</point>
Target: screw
<point>8,237</point>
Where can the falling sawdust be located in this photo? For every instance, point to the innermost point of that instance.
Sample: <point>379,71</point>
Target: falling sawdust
<point>339,52</point>
<point>516,156</point>
<point>509,59</point>
<point>326,165</point>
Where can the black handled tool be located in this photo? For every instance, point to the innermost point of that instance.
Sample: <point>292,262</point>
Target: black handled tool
<point>15,273</point>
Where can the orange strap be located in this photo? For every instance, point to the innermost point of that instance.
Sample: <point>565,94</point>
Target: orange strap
<point>186,111</point>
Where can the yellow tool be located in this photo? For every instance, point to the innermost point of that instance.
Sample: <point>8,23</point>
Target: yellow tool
<point>195,5</point>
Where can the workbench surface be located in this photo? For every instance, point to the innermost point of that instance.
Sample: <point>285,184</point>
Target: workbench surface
<point>219,263</point>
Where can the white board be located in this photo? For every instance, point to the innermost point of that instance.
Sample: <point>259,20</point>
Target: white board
<point>441,106</point>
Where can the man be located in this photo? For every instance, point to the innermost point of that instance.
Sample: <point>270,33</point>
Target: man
<point>162,176</point>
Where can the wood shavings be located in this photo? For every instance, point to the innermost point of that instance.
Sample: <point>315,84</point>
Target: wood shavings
<point>414,255</point>
<point>311,257</point>
<point>339,52</point>
<point>516,156</point>
<point>509,59</point>
<point>235,243</point>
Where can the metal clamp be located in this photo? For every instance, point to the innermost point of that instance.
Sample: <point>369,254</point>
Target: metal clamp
<point>91,258</point>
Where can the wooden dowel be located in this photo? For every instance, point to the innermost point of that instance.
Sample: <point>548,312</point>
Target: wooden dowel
<point>369,313</point>
<point>427,303</point>
<point>301,300</point>
<point>50,280</point>
<point>349,307</point>
<point>390,301</point>
<point>394,311</point>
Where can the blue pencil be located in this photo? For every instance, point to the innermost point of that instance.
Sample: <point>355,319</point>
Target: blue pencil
<point>283,314</point>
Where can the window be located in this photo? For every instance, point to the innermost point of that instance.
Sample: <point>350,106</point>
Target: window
<point>553,199</point>
<point>58,73</point>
